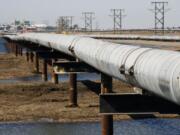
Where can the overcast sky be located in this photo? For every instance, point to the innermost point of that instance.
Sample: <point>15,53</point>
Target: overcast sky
<point>40,11</point>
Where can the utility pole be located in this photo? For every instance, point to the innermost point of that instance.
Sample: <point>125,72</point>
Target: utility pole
<point>117,15</point>
<point>159,15</point>
<point>88,20</point>
<point>65,23</point>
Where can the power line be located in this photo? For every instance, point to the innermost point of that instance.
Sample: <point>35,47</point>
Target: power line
<point>117,18</point>
<point>159,15</point>
<point>88,20</point>
<point>65,23</point>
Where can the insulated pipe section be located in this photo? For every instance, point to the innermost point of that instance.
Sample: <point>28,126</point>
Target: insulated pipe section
<point>137,37</point>
<point>155,70</point>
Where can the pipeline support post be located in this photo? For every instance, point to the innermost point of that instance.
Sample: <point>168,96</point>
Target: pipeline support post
<point>13,47</point>
<point>107,120</point>
<point>21,51</point>
<point>32,57</point>
<point>54,78</point>
<point>54,75</point>
<point>73,90</point>
<point>27,56</point>
<point>16,50</point>
<point>44,71</point>
<point>9,47</point>
<point>37,63</point>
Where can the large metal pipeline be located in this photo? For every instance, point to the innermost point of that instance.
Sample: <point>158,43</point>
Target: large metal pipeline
<point>137,37</point>
<point>155,70</point>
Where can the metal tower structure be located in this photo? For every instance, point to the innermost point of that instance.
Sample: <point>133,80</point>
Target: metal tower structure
<point>88,20</point>
<point>159,15</point>
<point>117,18</point>
<point>65,23</point>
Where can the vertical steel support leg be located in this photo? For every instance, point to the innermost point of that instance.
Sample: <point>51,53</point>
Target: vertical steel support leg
<point>44,72</point>
<point>73,90</point>
<point>10,47</point>
<point>27,56</point>
<point>107,120</point>
<point>54,78</point>
<point>16,50</point>
<point>54,75</point>
<point>37,63</point>
<point>21,51</point>
<point>32,57</point>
